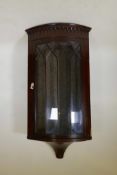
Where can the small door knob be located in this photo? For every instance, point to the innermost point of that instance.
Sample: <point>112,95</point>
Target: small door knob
<point>32,86</point>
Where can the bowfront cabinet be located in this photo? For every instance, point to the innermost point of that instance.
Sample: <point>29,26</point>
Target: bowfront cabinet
<point>59,84</point>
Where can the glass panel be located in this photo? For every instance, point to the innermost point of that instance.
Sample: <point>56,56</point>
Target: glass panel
<point>64,88</point>
<point>58,94</point>
<point>40,91</point>
<point>76,93</point>
<point>51,92</point>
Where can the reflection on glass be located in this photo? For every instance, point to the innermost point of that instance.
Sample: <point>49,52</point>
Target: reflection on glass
<point>58,94</point>
<point>77,121</point>
<point>54,114</point>
<point>76,117</point>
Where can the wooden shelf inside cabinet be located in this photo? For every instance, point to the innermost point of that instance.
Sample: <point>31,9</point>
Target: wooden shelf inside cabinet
<point>59,84</point>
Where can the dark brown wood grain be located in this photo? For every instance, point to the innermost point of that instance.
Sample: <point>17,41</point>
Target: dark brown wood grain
<point>59,33</point>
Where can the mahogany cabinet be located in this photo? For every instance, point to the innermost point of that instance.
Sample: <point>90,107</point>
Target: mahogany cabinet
<point>59,84</point>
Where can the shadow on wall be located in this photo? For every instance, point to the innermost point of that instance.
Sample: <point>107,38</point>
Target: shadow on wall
<point>19,78</point>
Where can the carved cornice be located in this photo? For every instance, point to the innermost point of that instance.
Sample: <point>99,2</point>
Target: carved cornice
<point>57,29</point>
<point>68,27</point>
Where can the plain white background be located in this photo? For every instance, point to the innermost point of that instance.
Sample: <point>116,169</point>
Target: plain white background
<point>21,156</point>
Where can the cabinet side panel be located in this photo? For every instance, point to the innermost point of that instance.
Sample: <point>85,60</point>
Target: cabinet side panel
<point>31,119</point>
<point>86,88</point>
